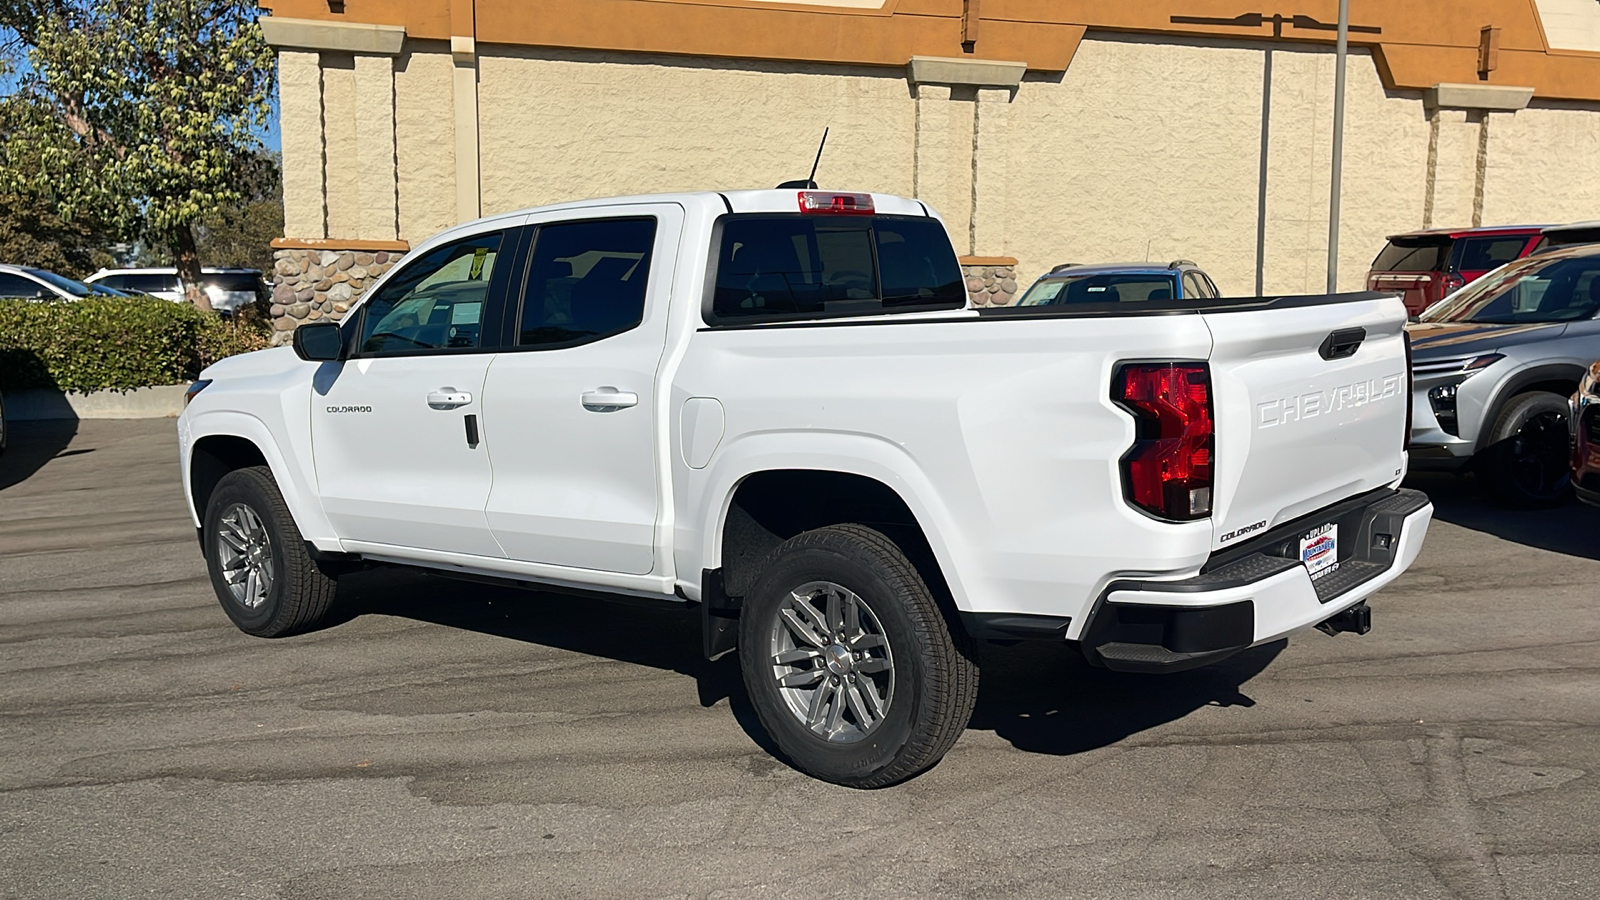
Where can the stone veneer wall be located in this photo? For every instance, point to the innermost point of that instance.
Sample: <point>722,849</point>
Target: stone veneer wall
<point>992,282</point>
<point>309,284</point>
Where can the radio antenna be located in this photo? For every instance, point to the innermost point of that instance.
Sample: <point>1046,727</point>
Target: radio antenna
<point>818,161</point>
<point>811,182</point>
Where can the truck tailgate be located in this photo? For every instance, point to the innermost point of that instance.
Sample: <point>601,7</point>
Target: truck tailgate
<point>1310,396</point>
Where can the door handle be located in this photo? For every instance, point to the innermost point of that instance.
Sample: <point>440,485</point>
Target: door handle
<point>448,398</point>
<point>608,399</point>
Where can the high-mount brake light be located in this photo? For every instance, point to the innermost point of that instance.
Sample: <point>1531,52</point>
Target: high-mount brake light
<point>836,203</point>
<point>1168,472</point>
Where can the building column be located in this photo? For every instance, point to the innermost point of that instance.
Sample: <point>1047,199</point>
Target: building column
<point>379,211</point>
<point>1460,117</point>
<point>963,106</point>
<point>464,53</point>
<point>300,126</point>
<point>336,93</point>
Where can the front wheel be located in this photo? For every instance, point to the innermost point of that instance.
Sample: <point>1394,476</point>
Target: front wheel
<point>1528,460</point>
<point>849,663</point>
<point>262,573</point>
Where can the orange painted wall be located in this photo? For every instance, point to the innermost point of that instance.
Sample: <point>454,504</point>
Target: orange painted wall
<point>1423,42</point>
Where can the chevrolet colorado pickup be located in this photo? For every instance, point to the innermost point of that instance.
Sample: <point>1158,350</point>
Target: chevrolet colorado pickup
<point>777,405</point>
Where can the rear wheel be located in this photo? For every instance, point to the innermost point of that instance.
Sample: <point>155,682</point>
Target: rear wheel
<point>1528,460</point>
<point>262,573</point>
<point>2,424</point>
<point>849,662</point>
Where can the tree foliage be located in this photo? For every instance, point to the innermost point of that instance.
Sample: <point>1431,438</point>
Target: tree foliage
<point>139,114</point>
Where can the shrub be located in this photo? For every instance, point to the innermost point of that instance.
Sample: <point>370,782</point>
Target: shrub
<point>113,343</point>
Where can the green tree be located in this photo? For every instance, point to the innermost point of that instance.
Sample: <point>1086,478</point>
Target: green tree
<point>141,114</point>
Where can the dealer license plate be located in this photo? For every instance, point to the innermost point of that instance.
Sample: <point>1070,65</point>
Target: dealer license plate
<point>1319,550</point>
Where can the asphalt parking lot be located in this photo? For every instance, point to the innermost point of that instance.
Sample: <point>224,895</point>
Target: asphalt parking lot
<point>453,740</point>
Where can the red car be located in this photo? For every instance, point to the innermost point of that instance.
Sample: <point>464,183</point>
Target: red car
<point>1424,266</point>
<point>1586,422</point>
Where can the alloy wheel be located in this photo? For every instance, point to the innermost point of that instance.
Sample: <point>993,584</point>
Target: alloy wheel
<point>244,552</point>
<point>832,661</point>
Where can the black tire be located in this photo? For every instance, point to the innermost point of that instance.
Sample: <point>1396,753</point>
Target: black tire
<point>934,670</point>
<point>300,592</point>
<point>1527,462</point>
<point>4,431</point>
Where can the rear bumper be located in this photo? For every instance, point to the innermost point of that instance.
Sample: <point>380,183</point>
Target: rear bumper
<point>1258,592</point>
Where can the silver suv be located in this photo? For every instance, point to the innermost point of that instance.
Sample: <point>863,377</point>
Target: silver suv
<point>1494,365</point>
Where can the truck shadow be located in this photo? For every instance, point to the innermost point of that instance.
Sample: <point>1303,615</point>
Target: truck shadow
<point>1043,698</point>
<point>1570,529</point>
<point>31,444</point>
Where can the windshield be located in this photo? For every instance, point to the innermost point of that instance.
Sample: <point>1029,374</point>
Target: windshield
<point>1531,291</point>
<point>75,288</point>
<point>1102,288</point>
<point>105,291</point>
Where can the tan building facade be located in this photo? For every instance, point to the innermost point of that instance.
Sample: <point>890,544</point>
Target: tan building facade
<point>1044,131</point>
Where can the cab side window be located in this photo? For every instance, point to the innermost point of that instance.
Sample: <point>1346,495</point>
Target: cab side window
<point>586,281</point>
<point>435,303</point>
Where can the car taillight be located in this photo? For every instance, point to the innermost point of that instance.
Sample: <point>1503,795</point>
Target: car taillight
<point>1168,471</point>
<point>836,203</point>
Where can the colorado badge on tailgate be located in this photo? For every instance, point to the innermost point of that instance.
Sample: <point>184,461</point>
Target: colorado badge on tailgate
<point>1319,550</point>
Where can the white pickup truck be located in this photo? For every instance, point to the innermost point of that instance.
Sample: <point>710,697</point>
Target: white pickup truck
<point>776,404</point>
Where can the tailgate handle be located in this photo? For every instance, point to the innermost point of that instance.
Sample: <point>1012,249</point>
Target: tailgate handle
<point>1342,343</point>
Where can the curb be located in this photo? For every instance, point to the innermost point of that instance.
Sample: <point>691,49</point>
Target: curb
<point>160,402</point>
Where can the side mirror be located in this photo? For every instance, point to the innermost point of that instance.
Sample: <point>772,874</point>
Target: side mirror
<point>319,342</point>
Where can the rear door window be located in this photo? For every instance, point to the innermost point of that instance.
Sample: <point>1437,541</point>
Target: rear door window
<point>772,267</point>
<point>1483,254</point>
<point>1413,255</point>
<point>586,281</point>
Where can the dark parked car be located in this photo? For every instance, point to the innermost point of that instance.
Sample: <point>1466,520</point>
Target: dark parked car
<point>1586,437</point>
<point>1426,266</point>
<point>1558,236</point>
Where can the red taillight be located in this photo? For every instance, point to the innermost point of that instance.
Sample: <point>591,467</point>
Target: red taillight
<point>835,203</point>
<point>1168,471</point>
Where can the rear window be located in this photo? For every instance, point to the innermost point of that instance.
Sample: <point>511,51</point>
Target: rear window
<point>142,282</point>
<point>1065,290</point>
<point>1413,255</point>
<point>233,282</point>
<point>1482,254</point>
<point>774,267</point>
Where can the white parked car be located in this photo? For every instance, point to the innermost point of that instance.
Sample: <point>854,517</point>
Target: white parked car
<point>776,405</point>
<point>29,283</point>
<point>228,288</point>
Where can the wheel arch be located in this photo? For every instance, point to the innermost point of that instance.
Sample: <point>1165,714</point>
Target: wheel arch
<point>220,442</point>
<point>1554,378</point>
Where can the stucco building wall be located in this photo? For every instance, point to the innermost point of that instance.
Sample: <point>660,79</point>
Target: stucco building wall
<point>561,126</point>
<point>1145,146</point>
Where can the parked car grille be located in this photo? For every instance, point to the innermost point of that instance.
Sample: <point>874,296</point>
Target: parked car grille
<point>1591,423</point>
